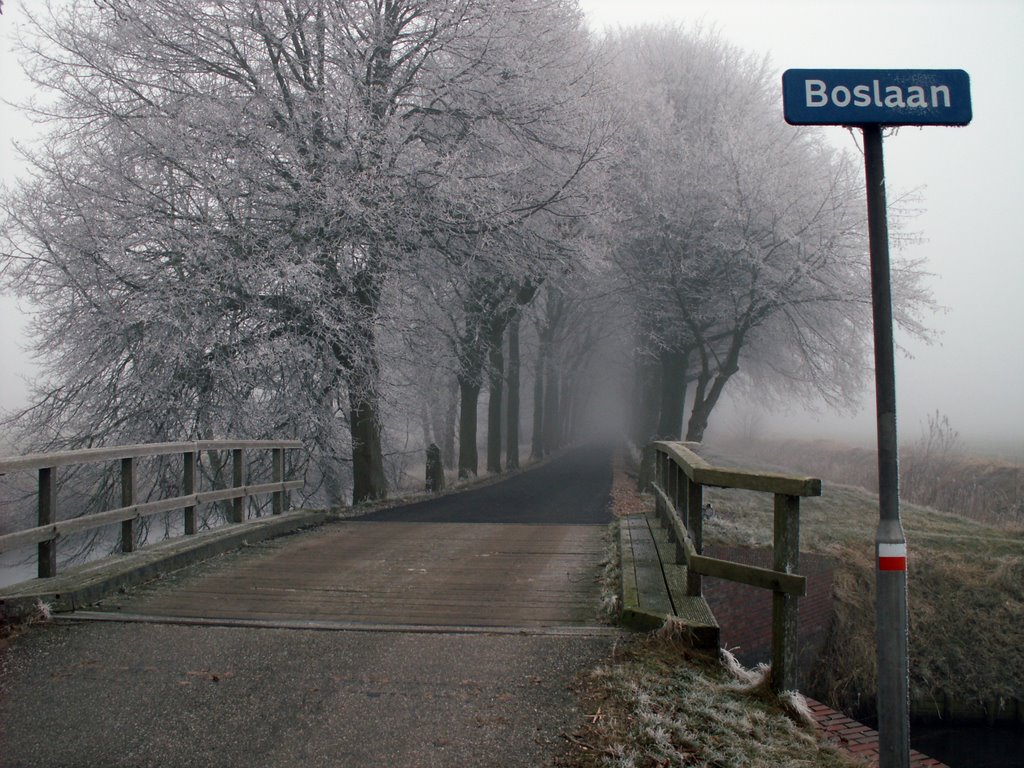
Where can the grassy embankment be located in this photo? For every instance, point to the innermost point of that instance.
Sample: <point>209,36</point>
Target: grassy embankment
<point>657,702</point>
<point>965,574</point>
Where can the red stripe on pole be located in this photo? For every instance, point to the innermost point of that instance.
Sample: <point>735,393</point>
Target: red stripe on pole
<point>892,563</point>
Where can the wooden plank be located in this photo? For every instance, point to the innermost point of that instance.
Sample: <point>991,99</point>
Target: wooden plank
<point>400,573</point>
<point>627,565</point>
<point>116,452</point>
<point>651,590</point>
<point>45,533</point>
<point>674,575</point>
<point>766,578</point>
<point>750,480</point>
<point>90,582</point>
<point>692,611</point>
<point>682,455</point>
<point>700,471</point>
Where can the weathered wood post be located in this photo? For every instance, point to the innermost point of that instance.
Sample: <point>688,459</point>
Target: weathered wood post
<point>647,468</point>
<point>238,476</point>
<point>669,482</point>
<point>127,499</point>
<point>277,459</point>
<point>786,559</point>
<point>47,515</point>
<point>679,501</point>
<point>695,526</point>
<point>653,478</point>
<point>435,469</point>
<point>189,488</point>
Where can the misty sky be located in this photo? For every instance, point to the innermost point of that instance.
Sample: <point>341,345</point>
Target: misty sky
<point>970,178</point>
<point>972,182</point>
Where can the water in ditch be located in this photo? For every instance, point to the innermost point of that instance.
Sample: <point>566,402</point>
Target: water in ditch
<point>971,746</point>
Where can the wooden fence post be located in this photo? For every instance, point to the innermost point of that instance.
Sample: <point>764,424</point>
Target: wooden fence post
<point>671,489</point>
<point>188,488</point>
<point>238,475</point>
<point>127,499</point>
<point>647,468</point>
<point>434,476</point>
<point>695,526</point>
<point>784,606</point>
<point>47,515</point>
<point>277,455</point>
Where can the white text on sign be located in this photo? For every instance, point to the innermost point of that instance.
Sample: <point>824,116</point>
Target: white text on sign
<point>873,95</point>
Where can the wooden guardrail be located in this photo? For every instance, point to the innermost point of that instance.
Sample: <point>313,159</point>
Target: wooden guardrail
<point>680,476</point>
<point>49,529</point>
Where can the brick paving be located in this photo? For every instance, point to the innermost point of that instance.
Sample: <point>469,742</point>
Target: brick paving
<point>857,739</point>
<point>744,613</point>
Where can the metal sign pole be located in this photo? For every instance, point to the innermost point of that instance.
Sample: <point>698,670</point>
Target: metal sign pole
<point>871,99</point>
<point>891,631</point>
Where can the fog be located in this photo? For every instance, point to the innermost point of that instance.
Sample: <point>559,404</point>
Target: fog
<point>969,181</point>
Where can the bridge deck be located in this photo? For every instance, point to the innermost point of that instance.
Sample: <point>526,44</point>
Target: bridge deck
<point>438,574</point>
<point>654,587</point>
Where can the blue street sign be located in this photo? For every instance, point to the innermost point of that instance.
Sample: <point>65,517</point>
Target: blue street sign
<point>876,97</point>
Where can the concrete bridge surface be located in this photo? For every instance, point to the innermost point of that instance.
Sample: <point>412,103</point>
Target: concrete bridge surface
<point>444,633</point>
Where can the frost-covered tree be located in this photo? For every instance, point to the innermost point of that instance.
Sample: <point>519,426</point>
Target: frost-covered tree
<point>745,242</point>
<point>226,187</point>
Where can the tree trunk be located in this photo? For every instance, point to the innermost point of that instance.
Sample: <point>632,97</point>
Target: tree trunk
<point>706,399</point>
<point>552,412</point>
<point>368,479</point>
<point>469,391</point>
<point>495,386</point>
<point>673,393</point>
<point>646,386</point>
<point>512,432</point>
<point>566,405</point>
<point>438,410</point>
<point>425,424</point>
<point>451,415</point>
<point>537,438</point>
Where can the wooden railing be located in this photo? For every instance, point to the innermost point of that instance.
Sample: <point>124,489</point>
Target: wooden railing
<point>680,476</point>
<point>49,530</point>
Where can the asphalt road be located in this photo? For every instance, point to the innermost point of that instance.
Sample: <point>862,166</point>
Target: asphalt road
<point>572,489</point>
<point>85,695</point>
<point>143,695</point>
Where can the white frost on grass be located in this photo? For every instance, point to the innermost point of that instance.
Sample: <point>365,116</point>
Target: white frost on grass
<point>41,611</point>
<point>749,678</point>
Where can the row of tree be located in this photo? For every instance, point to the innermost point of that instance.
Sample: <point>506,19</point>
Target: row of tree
<point>331,219</point>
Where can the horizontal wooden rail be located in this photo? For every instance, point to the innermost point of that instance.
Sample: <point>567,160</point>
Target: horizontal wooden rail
<point>699,471</point>
<point>63,528</point>
<point>115,452</point>
<point>751,575</point>
<point>49,530</point>
<point>680,476</point>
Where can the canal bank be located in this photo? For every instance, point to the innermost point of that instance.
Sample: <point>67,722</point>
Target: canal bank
<point>957,734</point>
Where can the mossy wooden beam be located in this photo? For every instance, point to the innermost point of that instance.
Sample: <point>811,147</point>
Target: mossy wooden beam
<point>700,471</point>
